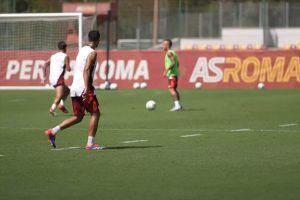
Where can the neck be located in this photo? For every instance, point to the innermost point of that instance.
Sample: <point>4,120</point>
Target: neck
<point>92,45</point>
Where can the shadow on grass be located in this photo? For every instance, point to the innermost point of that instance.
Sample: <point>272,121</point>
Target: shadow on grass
<point>193,109</point>
<point>129,147</point>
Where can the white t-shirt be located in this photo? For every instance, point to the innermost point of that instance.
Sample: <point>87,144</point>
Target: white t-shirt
<point>77,86</point>
<point>57,67</point>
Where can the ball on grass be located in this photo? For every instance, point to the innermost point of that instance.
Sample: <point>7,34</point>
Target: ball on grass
<point>143,85</point>
<point>150,105</point>
<point>260,86</point>
<point>136,85</point>
<point>198,85</point>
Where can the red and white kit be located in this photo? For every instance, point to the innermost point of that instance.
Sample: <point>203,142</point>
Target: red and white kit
<point>57,69</point>
<point>77,87</point>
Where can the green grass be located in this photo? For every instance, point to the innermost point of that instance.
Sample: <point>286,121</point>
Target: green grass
<point>263,163</point>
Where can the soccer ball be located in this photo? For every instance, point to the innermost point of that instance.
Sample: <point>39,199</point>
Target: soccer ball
<point>136,85</point>
<point>113,86</point>
<point>260,86</point>
<point>143,85</point>
<point>150,105</point>
<point>198,85</point>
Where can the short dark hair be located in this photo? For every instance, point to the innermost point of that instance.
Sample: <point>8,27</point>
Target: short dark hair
<point>94,35</point>
<point>62,45</point>
<point>169,42</point>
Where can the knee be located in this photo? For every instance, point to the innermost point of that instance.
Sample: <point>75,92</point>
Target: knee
<point>78,118</point>
<point>172,91</point>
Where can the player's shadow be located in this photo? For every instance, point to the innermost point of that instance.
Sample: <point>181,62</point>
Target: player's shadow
<point>130,147</point>
<point>193,109</point>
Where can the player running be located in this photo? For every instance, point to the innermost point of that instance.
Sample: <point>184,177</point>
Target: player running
<point>83,93</point>
<point>172,72</point>
<point>59,63</point>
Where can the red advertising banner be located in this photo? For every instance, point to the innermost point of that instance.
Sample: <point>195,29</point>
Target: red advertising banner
<point>214,69</point>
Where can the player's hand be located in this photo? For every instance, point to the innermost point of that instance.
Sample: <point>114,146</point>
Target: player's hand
<point>88,97</point>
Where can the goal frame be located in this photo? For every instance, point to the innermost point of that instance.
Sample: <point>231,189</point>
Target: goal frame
<point>35,15</point>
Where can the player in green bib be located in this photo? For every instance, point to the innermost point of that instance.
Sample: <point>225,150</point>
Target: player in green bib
<point>172,72</point>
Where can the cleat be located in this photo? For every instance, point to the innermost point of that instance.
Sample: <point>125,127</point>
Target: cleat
<point>63,109</point>
<point>176,109</point>
<point>51,137</point>
<point>52,112</point>
<point>94,147</point>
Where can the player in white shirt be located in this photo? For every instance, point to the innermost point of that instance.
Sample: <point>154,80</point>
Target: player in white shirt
<point>59,63</point>
<point>83,93</point>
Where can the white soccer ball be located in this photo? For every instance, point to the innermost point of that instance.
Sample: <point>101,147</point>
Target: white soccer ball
<point>198,85</point>
<point>113,86</point>
<point>150,105</point>
<point>143,85</point>
<point>106,85</point>
<point>102,86</point>
<point>136,85</point>
<point>260,86</point>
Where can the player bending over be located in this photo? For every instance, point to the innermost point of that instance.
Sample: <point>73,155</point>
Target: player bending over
<point>83,93</point>
<point>59,63</point>
<point>172,72</point>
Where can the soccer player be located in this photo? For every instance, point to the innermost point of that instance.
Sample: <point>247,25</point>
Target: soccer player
<point>83,93</point>
<point>172,72</point>
<point>59,63</point>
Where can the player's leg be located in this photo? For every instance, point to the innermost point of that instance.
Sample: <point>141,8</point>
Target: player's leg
<point>173,82</point>
<point>93,109</point>
<point>58,95</point>
<point>65,94</point>
<point>174,94</point>
<point>79,111</point>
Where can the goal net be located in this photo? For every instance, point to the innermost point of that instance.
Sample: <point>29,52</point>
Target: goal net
<point>26,39</point>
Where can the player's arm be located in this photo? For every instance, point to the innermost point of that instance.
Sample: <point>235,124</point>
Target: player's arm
<point>67,63</point>
<point>46,64</point>
<point>88,70</point>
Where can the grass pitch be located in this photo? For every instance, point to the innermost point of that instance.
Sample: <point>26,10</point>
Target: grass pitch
<point>226,144</point>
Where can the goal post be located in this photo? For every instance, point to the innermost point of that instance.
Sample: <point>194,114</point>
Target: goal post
<point>27,40</point>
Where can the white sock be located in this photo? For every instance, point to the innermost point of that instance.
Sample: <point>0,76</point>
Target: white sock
<point>55,130</point>
<point>53,106</point>
<point>90,141</point>
<point>61,102</point>
<point>177,104</point>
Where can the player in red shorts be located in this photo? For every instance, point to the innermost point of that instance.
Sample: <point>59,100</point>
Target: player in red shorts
<point>172,73</point>
<point>59,63</point>
<point>83,94</point>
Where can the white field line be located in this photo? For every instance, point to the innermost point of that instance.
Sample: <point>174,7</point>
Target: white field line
<point>17,100</point>
<point>133,141</point>
<point>286,125</point>
<point>241,130</point>
<point>66,148</point>
<point>2,155</point>
<point>193,135</point>
<point>30,128</point>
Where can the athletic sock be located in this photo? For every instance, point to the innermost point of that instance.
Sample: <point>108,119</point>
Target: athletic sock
<point>53,106</point>
<point>55,130</point>
<point>61,102</point>
<point>177,104</point>
<point>90,141</point>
